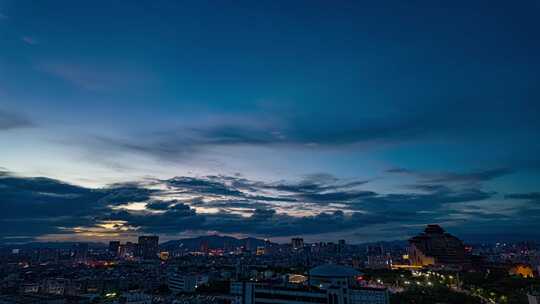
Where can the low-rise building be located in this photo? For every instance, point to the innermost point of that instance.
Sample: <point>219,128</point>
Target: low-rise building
<point>185,282</point>
<point>327,284</point>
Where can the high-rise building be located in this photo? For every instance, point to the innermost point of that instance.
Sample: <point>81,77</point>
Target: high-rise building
<point>436,247</point>
<point>127,250</point>
<point>204,246</point>
<point>114,246</point>
<point>80,252</point>
<point>297,243</point>
<point>149,246</point>
<point>341,246</point>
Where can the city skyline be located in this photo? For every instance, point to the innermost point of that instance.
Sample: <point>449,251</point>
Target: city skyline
<point>274,119</point>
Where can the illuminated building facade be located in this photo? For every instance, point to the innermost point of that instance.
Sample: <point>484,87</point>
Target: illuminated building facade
<point>522,270</point>
<point>435,247</point>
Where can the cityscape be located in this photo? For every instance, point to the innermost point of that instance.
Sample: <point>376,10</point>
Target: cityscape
<point>433,266</point>
<point>269,152</point>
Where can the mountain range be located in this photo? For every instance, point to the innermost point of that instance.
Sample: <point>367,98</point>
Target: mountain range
<point>212,241</point>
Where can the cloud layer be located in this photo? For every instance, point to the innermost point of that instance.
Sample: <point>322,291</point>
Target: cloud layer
<point>318,204</point>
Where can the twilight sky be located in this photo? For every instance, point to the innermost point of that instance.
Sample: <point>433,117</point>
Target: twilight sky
<point>323,119</point>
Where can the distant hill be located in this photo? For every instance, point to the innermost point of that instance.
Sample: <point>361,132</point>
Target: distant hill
<point>51,245</point>
<point>385,244</point>
<point>213,241</point>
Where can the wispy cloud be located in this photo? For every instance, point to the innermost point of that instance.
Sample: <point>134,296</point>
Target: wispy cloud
<point>93,77</point>
<point>453,177</point>
<point>29,40</point>
<point>9,120</point>
<point>83,77</point>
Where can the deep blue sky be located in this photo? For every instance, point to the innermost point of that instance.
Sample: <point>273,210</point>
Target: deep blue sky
<point>318,118</point>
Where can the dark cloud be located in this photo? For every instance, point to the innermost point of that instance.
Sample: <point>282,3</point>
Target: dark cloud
<point>263,214</point>
<point>235,135</point>
<point>159,205</point>
<point>268,223</point>
<point>336,127</point>
<point>421,202</point>
<point>271,198</point>
<point>39,206</point>
<point>311,184</point>
<point>533,196</point>
<point>236,203</point>
<point>120,195</point>
<point>172,150</point>
<point>202,186</point>
<point>10,120</point>
<point>340,196</point>
<point>453,177</point>
<point>399,170</point>
<point>478,176</point>
<point>431,187</point>
<point>178,218</point>
<point>36,206</point>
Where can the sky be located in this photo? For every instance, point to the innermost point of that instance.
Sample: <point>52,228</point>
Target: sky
<point>328,120</point>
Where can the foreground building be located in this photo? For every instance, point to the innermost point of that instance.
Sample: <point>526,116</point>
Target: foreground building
<point>327,284</point>
<point>179,283</point>
<point>435,247</point>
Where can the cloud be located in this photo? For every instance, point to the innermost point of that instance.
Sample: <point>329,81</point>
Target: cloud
<point>321,203</point>
<point>316,188</point>
<point>268,223</point>
<point>96,78</point>
<point>338,196</point>
<point>453,177</point>
<point>310,184</point>
<point>203,186</point>
<point>431,187</point>
<point>297,131</point>
<point>10,121</point>
<point>86,78</point>
<point>335,128</point>
<point>478,176</point>
<point>119,194</point>
<point>399,170</point>
<point>423,202</point>
<point>189,140</point>
<point>178,218</point>
<point>36,206</point>
<point>229,204</point>
<point>160,205</point>
<point>533,196</point>
<point>29,40</point>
